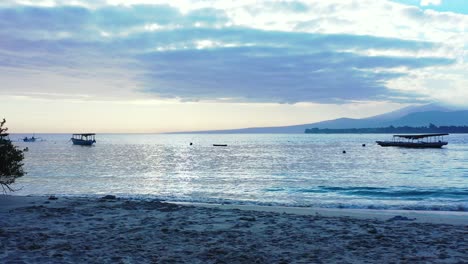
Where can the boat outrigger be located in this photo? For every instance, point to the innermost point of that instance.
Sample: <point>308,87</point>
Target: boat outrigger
<point>86,139</point>
<point>416,141</point>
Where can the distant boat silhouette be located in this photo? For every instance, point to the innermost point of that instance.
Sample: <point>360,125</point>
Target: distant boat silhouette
<point>31,139</point>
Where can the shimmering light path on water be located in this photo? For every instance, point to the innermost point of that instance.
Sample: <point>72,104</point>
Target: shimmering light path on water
<point>295,170</point>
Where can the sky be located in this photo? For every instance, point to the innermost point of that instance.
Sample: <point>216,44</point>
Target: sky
<point>159,66</point>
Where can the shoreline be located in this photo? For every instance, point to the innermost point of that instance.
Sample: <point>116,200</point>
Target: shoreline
<point>418,216</point>
<point>36,229</point>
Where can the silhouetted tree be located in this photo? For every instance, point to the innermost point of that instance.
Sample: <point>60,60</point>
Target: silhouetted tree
<point>11,166</point>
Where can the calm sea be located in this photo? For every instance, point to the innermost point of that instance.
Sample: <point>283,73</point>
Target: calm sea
<point>269,169</point>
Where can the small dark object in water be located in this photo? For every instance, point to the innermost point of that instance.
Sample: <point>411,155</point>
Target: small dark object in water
<point>26,149</point>
<point>344,151</point>
<point>248,218</point>
<point>52,197</point>
<point>401,218</point>
<point>191,143</point>
<point>109,197</point>
<point>219,145</point>
<point>363,145</point>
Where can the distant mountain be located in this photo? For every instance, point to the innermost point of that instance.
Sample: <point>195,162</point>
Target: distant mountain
<point>408,116</point>
<point>391,118</point>
<point>430,129</point>
<point>439,118</point>
<point>410,109</point>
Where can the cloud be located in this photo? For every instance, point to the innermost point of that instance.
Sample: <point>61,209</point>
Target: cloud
<point>280,67</point>
<point>235,74</point>
<point>286,52</point>
<point>430,2</point>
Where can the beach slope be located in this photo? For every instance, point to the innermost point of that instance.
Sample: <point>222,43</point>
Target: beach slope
<point>113,230</point>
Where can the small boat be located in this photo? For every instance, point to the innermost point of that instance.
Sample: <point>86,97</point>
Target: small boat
<point>219,145</point>
<point>86,139</point>
<point>31,139</point>
<point>416,141</point>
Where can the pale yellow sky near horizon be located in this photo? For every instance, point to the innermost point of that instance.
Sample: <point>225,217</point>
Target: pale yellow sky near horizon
<point>28,115</point>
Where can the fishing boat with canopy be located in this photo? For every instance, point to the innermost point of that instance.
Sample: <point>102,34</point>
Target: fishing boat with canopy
<point>416,141</point>
<point>86,139</point>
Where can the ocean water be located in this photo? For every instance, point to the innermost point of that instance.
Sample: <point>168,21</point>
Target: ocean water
<point>267,169</point>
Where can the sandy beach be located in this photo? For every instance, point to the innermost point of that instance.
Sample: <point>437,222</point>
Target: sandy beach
<point>97,230</point>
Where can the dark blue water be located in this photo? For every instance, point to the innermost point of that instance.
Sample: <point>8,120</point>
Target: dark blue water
<point>292,170</point>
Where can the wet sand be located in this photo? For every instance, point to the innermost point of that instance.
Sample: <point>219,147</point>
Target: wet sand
<point>93,230</point>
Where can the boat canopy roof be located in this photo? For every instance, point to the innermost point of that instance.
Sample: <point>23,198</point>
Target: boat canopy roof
<point>421,136</point>
<point>85,134</point>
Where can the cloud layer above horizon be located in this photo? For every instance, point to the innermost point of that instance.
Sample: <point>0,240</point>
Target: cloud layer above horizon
<point>254,51</point>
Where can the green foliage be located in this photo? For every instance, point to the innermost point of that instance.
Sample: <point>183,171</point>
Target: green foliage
<point>11,166</point>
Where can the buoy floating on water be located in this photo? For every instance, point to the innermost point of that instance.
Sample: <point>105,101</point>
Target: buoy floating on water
<point>191,143</point>
<point>344,151</point>
<point>363,145</point>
